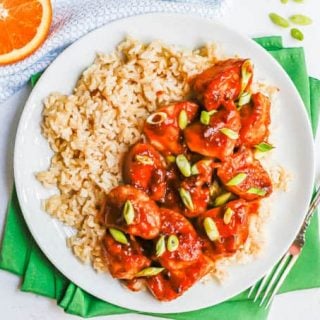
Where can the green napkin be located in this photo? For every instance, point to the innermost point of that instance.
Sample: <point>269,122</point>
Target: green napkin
<point>19,253</point>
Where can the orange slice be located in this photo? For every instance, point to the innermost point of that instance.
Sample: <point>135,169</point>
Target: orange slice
<point>24,25</point>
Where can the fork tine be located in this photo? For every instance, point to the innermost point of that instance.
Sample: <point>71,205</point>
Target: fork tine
<point>262,284</point>
<point>315,201</point>
<point>252,289</point>
<point>281,280</point>
<point>274,277</point>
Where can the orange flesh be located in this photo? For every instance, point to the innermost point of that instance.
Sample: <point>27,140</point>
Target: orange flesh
<point>21,22</point>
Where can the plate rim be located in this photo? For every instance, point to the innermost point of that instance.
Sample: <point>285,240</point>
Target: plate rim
<point>243,37</point>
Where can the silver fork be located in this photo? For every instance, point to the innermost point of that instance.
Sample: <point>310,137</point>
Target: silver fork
<point>269,288</point>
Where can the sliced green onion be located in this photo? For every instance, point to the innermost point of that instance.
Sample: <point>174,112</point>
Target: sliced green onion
<point>194,169</point>
<point>186,198</point>
<point>244,99</point>
<point>183,119</point>
<point>144,159</point>
<point>149,272</point>
<point>171,159</point>
<point>297,34</point>
<point>223,199</point>
<point>240,177</point>
<point>229,133</point>
<point>206,115</point>
<point>128,212</point>
<point>257,191</point>
<point>172,243</point>
<point>157,118</point>
<point>207,162</point>
<point>264,146</point>
<point>160,246</point>
<point>246,74</point>
<point>278,20</point>
<point>300,19</point>
<point>211,229</point>
<point>214,189</point>
<point>183,165</point>
<point>228,215</point>
<point>118,235</point>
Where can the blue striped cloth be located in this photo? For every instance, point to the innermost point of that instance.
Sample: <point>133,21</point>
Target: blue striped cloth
<point>74,18</point>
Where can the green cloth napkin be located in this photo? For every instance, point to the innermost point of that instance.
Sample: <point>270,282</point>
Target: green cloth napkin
<point>20,254</point>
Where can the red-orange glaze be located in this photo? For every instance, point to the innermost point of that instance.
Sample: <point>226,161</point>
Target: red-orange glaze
<point>167,135</point>
<point>189,249</point>
<point>169,285</point>
<point>146,223</point>
<point>208,140</point>
<point>154,180</point>
<point>256,176</point>
<point>199,188</point>
<point>124,261</point>
<point>232,235</point>
<point>220,83</point>
<point>255,120</point>
<point>146,173</point>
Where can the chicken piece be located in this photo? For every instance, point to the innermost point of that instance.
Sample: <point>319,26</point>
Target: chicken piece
<point>222,82</point>
<point>255,120</point>
<point>189,244</point>
<point>244,175</point>
<point>144,212</point>
<point>233,230</point>
<point>143,169</point>
<point>124,261</point>
<point>172,198</point>
<point>169,285</point>
<point>198,186</point>
<point>162,127</point>
<point>209,140</point>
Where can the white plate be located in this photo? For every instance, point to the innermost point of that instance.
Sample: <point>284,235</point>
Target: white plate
<point>293,140</point>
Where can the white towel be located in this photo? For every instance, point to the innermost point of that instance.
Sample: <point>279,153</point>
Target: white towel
<point>74,18</point>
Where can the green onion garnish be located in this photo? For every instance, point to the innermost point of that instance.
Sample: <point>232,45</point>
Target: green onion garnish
<point>211,229</point>
<point>149,272</point>
<point>223,199</point>
<point>128,212</point>
<point>183,165</point>
<point>244,99</point>
<point>246,74</point>
<point>229,133</point>
<point>257,191</point>
<point>172,243</point>
<point>157,117</point>
<point>278,20</point>
<point>240,177</point>
<point>160,246</point>
<point>144,159</point>
<point>206,115</point>
<point>194,169</point>
<point>300,19</point>
<point>228,215</point>
<point>171,159</point>
<point>296,34</point>
<point>183,119</point>
<point>186,198</point>
<point>118,235</point>
<point>264,146</point>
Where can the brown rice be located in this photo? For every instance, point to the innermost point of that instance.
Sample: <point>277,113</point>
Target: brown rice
<point>90,130</point>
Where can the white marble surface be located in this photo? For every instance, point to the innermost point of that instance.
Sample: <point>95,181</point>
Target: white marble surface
<point>247,16</point>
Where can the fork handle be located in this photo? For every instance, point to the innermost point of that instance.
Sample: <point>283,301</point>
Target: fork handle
<point>301,236</point>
